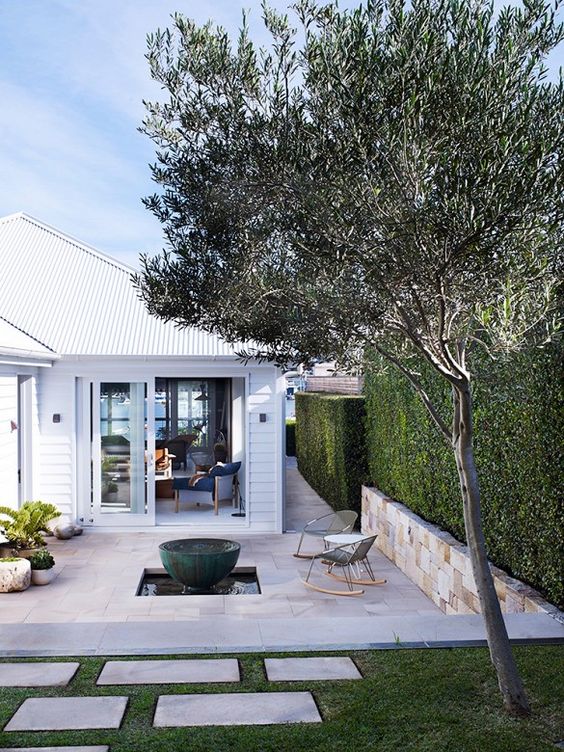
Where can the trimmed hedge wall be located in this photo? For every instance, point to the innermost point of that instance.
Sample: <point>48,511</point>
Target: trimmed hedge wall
<point>330,446</point>
<point>291,437</point>
<point>518,410</point>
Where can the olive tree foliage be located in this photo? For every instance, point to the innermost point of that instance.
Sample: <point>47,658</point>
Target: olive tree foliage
<point>386,178</point>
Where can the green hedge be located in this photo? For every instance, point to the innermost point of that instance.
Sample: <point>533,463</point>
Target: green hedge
<point>291,437</point>
<point>518,433</point>
<point>330,446</point>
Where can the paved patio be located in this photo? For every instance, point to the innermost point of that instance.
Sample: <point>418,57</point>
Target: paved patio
<point>91,606</point>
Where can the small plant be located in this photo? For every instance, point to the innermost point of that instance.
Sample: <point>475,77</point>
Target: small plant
<point>8,559</point>
<point>41,560</point>
<point>25,526</point>
<point>112,487</point>
<point>108,464</point>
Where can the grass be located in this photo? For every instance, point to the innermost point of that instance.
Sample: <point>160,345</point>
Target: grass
<point>423,700</point>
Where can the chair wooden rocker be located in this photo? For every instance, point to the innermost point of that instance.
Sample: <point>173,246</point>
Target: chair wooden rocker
<point>346,556</point>
<point>329,524</point>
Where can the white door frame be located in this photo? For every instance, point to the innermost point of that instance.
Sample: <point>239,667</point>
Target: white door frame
<point>25,438</point>
<point>89,458</point>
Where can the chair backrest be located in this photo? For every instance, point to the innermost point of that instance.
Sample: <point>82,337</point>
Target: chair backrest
<point>161,455</point>
<point>342,521</point>
<point>362,548</point>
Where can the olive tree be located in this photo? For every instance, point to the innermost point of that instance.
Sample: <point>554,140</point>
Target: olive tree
<point>387,178</point>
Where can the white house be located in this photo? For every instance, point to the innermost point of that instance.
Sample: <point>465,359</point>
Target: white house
<point>101,403</point>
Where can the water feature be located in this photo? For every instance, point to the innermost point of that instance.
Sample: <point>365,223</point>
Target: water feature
<point>199,563</point>
<point>241,581</point>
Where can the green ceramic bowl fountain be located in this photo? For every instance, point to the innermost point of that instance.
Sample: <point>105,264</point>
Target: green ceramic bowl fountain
<point>199,563</point>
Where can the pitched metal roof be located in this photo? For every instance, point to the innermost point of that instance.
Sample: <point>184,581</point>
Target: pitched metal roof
<point>78,301</point>
<point>17,344</point>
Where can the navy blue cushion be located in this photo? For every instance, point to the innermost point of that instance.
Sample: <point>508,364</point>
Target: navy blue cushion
<point>204,484</point>
<point>230,468</point>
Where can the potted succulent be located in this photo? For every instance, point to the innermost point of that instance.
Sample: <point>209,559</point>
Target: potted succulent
<point>23,528</point>
<point>15,574</point>
<point>42,564</point>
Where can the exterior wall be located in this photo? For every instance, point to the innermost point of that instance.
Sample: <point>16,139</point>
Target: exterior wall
<point>437,562</point>
<point>56,457</point>
<point>259,444</point>
<point>264,489</point>
<point>8,440</point>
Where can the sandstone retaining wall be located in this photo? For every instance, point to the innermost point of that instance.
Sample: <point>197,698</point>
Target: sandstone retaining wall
<point>438,563</point>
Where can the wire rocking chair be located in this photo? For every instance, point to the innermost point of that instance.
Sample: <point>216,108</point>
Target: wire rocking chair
<point>329,524</point>
<point>348,556</point>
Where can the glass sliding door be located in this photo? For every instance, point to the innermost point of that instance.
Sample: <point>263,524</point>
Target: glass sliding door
<point>122,440</point>
<point>191,415</point>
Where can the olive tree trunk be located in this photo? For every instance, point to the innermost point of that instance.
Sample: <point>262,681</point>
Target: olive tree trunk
<point>510,684</point>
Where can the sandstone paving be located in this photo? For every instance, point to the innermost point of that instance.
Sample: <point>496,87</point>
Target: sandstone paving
<point>236,709</point>
<point>68,713</point>
<point>91,609</point>
<point>193,671</point>
<point>37,674</point>
<point>311,669</point>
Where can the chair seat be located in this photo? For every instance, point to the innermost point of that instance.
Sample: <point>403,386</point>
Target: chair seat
<point>337,557</point>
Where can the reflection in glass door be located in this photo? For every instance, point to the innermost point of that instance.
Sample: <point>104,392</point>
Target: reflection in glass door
<point>122,456</point>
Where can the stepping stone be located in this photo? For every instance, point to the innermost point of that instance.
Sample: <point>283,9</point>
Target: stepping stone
<point>236,709</point>
<point>37,674</point>
<point>306,669</point>
<point>170,672</point>
<point>102,748</point>
<point>66,713</point>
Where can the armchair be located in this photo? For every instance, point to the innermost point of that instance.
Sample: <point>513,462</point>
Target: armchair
<point>210,489</point>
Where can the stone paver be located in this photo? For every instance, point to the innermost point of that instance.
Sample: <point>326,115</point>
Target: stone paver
<point>37,674</point>
<point>66,713</point>
<point>236,709</point>
<point>170,672</point>
<point>98,748</point>
<point>305,669</point>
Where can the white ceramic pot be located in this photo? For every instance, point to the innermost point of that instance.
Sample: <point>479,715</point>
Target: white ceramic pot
<point>42,576</point>
<point>14,575</point>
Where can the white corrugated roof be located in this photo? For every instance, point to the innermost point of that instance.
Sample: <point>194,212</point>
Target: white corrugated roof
<point>16,343</point>
<point>78,301</point>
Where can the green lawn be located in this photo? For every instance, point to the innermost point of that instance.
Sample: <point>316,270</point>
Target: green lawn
<point>408,700</point>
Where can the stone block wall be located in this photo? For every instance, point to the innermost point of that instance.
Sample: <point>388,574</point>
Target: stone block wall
<point>437,562</point>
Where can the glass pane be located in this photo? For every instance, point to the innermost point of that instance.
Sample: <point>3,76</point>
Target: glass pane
<point>123,439</point>
<point>185,420</point>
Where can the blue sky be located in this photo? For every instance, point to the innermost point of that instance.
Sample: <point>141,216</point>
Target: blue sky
<point>72,77</point>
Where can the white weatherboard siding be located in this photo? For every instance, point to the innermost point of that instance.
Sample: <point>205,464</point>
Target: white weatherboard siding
<point>264,444</point>
<point>56,461</point>
<point>8,440</point>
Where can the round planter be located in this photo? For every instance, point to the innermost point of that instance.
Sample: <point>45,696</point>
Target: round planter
<point>42,576</point>
<point>199,563</point>
<point>14,575</point>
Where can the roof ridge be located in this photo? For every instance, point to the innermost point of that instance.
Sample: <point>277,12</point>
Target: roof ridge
<point>27,334</point>
<point>79,244</point>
